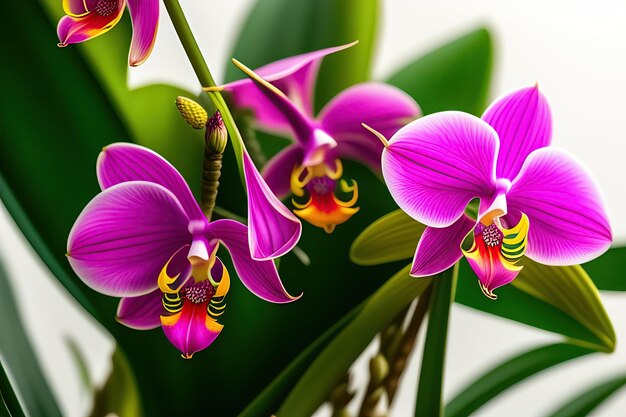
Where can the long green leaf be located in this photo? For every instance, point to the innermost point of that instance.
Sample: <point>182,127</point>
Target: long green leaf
<point>333,363</point>
<point>429,401</point>
<point>276,29</point>
<point>508,373</point>
<point>585,402</point>
<point>439,80</point>
<point>391,238</point>
<point>9,404</point>
<point>606,271</point>
<point>19,358</point>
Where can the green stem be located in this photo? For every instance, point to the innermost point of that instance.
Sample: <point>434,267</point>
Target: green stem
<point>200,67</point>
<point>429,393</point>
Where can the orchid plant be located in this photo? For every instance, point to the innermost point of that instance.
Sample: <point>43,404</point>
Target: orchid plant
<point>535,199</point>
<point>281,93</point>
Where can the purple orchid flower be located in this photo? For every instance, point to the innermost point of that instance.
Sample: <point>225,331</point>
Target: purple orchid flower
<point>534,199</point>
<point>87,19</point>
<point>281,96</point>
<point>144,238</point>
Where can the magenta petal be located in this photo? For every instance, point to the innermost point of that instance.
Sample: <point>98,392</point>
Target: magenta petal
<point>124,237</point>
<point>121,162</point>
<point>191,329</point>
<point>523,122</point>
<point>277,172</point>
<point>440,248</point>
<point>273,229</point>
<point>435,165</point>
<point>141,313</point>
<point>295,76</point>
<point>382,107</point>
<point>568,220</point>
<point>144,15</point>
<point>79,27</point>
<point>260,277</point>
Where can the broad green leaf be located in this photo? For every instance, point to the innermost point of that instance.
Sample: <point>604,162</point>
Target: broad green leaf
<point>334,361</point>
<point>566,295</point>
<point>453,77</point>
<point>391,238</point>
<point>9,404</point>
<point>19,359</point>
<point>266,402</point>
<point>508,373</point>
<point>276,29</point>
<point>585,402</point>
<point>429,401</point>
<point>569,289</point>
<point>606,271</point>
<point>119,395</point>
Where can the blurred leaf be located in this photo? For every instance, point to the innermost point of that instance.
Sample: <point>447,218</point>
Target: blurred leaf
<point>9,404</point>
<point>391,238</point>
<point>508,373</point>
<point>453,77</point>
<point>570,289</point>
<point>583,403</point>
<point>81,364</point>
<point>276,29</point>
<point>119,395</point>
<point>607,270</point>
<point>20,360</point>
<point>429,401</point>
<point>331,365</point>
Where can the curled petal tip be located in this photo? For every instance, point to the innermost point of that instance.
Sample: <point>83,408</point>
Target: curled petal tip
<point>61,44</point>
<point>488,293</point>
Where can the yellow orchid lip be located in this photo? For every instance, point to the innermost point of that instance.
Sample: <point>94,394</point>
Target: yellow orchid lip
<point>322,208</point>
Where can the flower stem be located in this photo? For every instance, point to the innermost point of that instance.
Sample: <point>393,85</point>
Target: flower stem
<point>200,67</point>
<point>211,171</point>
<point>429,393</point>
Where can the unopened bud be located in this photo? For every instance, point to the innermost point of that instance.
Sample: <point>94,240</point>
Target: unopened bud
<point>192,112</point>
<point>379,369</point>
<point>216,134</point>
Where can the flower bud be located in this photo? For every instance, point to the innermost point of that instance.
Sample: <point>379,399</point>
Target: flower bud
<point>192,112</point>
<point>379,369</point>
<point>216,134</point>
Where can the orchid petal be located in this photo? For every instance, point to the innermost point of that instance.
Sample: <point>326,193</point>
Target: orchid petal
<point>568,220</point>
<point>124,237</point>
<point>523,122</point>
<point>121,162</point>
<point>73,29</point>
<point>75,8</point>
<point>435,165</point>
<point>191,329</point>
<point>382,107</point>
<point>144,15</point>
<point>295,76</point>
<point>273,229</point>
<point>142,312</point>
<point>440,248</point>
<point>277,171</point>
<point>260,277</point>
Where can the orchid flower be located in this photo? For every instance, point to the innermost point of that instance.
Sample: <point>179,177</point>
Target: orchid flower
<point>535,199</point>
<point>281,97</point>
<point>86,19</point>
<point>144,238</point>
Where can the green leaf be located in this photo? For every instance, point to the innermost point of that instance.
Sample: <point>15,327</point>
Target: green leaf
<point>429,401</point>
<point>119,395</point>
<point>453,77</point>
<point>333,363</point>
<point>583,403</point>
<point>276,29</point>
<point>606,271</point>
<point>9,404</point>
<point>569,289</point>
<point>391,238</point>
<point>20,361</point>
<point>508,373</point>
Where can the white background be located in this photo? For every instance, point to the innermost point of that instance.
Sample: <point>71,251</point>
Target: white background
<point>575,49</point>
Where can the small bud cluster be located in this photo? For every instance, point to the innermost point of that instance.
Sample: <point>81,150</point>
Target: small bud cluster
<point>216,134</point>
<point>192,112</point>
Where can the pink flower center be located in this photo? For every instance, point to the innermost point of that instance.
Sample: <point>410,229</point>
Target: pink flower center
<point>492,235</point>
<point>106,7</point>
<point>199,293</point>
